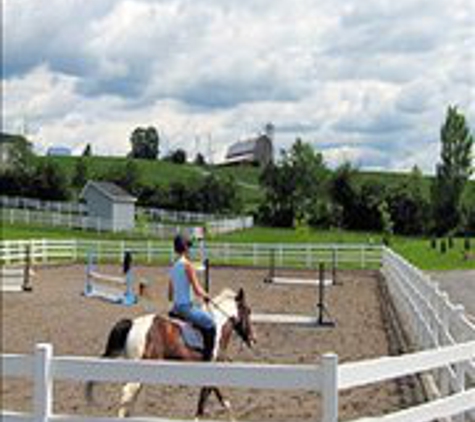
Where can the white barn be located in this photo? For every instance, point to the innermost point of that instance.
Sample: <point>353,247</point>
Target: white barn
<point>112,204</point>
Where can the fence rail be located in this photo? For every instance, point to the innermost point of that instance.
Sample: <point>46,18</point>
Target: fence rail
<point>99,224</point>
<point>254,254</point>
<point>161,222</point>
<point>326,379</point>
<point>431,319</point>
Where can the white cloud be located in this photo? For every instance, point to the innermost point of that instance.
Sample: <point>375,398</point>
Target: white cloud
<point>365,80</point>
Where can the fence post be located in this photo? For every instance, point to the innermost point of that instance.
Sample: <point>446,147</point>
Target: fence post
<point>444,371</point>
<point>149,251</point>
<point>330,387</point>
<point>43,383</point>
<point>459,368</point>
<point>44,251</point>
<point>363,256</point>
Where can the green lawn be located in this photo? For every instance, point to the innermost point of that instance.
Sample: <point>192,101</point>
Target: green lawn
<point>417,250</point>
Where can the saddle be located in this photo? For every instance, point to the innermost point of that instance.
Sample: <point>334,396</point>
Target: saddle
<point>192,335</point>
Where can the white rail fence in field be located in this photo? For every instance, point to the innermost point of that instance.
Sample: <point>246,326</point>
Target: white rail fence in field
<point>42,205</point>
<point>74,215</point>
<point>326,379</point>
<point>98,224</point>
<point>161,214</point>
<point>254,254</point>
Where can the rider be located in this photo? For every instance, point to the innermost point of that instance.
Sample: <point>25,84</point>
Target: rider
<point>183,286</point>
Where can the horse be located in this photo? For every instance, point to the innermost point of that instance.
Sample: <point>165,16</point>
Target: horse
<point>154,336</point>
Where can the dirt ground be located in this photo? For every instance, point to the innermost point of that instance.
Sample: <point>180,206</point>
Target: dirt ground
<point>56,312</point>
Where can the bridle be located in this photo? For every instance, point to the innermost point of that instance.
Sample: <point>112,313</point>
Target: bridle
<point>237,325</point>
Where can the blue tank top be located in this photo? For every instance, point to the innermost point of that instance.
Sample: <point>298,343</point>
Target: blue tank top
<point>182,291</point>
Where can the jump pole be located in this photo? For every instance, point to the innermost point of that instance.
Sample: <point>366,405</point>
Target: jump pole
<point>207,280</point>
<point>88,289</point>
<point>271,273</point>
<point>27,284</point>
<point>321,308</point>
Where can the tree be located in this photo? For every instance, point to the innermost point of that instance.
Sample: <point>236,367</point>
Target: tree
<point>145,143</point>
<point>294,187</point>
<point>453,172</point>
<point>21,156</point>
<point>343,192</point>
<point>177,156</point>
<point>127,176</point>
<point>80,176</point>
<point>50,182</point>
<point>200,160</point>
<point>87,151</point>
<point>409,205</point>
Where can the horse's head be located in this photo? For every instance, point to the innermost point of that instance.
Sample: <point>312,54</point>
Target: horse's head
<point>242,322</point>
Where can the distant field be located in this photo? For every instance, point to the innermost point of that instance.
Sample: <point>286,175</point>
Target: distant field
<point>417,250</point>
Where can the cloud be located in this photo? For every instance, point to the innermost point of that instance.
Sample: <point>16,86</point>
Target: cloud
<point>369,80</point>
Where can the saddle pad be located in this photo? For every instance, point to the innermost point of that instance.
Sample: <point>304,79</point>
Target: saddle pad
<point>191,336</point>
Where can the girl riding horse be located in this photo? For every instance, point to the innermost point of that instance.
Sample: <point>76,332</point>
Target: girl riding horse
<point>160,337</point>
<point>183,286</point>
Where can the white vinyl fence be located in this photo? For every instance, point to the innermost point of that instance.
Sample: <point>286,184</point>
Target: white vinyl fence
<point>98,224</point>
<point>326,379</point>
<point>188,217</point>
<point>42,205</point>
<point>161,223</point>
<point>251,254</point>
<point>431,319</point>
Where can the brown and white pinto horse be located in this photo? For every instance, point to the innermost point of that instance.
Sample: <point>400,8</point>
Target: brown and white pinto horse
<point>154,336</point>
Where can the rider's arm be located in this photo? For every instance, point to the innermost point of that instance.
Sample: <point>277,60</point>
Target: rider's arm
<point>191,274</point>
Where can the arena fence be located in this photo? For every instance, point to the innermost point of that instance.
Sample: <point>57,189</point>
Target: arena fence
<point>433,323</point>
<point>431,319</point>
<point>148,252</point>
<point>327,379</point>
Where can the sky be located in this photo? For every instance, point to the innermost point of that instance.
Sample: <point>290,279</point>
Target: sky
<point>364,81</point>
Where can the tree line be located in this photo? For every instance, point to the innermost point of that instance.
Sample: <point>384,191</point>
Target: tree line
<point>300,189</point>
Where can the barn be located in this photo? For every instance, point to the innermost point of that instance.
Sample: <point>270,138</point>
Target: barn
<point>112,204</point>
<point>256,151</point>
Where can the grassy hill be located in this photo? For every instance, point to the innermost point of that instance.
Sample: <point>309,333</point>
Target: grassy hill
<point>163,173</point>
<point>152,173</point>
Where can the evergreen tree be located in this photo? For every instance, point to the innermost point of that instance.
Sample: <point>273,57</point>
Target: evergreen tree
<point>453,172</point>
<point>87,151</point>
<point>80,176</point>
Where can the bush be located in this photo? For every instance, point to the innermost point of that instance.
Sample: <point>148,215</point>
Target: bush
<point>443,246</point>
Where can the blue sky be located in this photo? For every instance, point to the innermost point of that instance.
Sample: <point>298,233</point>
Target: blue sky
<point>367,81</point>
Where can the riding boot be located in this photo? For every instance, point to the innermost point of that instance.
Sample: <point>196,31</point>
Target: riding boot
<point>209,336</point>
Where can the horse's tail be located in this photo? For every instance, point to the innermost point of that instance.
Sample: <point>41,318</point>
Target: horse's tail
<point>115,347</point>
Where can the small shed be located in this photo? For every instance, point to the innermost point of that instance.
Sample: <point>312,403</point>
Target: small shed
<point>112,204</point>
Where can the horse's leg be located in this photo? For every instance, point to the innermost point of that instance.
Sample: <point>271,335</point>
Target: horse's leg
<point>225,403</point>
<point>204,394</point>
<point>130,392</point>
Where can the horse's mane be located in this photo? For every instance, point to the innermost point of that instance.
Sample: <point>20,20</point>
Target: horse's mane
<point>226,300</point>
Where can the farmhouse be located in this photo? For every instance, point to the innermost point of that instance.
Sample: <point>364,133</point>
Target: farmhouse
<point>111,203</point>
<point>257,151</point>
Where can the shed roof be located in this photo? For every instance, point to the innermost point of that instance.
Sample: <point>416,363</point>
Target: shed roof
<point>111,190</point>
